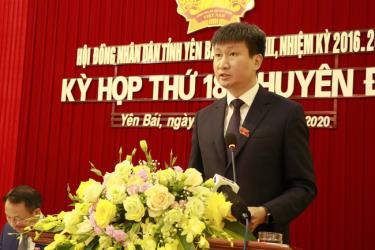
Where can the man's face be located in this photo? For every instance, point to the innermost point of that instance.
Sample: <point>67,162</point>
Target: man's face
<point>18,216</point>
<point>234,68</point>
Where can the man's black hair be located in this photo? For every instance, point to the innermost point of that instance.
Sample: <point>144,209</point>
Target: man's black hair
<point>26,194</point>
<point>251,34</point>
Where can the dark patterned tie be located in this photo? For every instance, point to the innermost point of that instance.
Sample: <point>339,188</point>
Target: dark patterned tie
<point>234,122</point>
<point>24,243</point>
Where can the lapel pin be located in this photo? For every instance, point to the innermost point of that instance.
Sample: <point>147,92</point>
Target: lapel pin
<point>244,131</point>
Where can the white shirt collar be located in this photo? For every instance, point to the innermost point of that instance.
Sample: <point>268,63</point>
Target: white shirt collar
<point>247,97</point>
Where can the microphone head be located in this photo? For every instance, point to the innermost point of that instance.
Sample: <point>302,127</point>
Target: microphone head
<point>240,212</point>
<point>230,140</point>
<point>239,209</point>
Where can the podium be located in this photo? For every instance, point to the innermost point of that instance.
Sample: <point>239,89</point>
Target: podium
<point>221,244</point>
<point>216,244</point>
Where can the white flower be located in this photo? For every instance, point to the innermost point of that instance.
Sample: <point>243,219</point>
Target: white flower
<point>158,199</point>
<point>134,208</point>
<point>124,169</point>
<point>89,191</point>
<point>84,227</point>
<point>116,194</point>
<point>193,177</point>
<point>113,179</point>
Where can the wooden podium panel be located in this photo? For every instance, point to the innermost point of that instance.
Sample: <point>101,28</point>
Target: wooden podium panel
<point>220,244</point>
<point>216,244</point>
<point>44,239</point>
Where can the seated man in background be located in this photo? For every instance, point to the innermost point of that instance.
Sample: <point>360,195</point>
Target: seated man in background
<point>22,209</point>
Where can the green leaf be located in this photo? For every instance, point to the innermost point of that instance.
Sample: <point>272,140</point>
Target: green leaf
<point>136,227</point>
<point>64,246</point>
<point>237,230</point>
<point>185,244</point>
<point>93,244</point>
<point>58,228</point>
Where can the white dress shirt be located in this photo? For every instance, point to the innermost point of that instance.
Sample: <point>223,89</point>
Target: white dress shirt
<point>248,98</point>
<point>30,244</point>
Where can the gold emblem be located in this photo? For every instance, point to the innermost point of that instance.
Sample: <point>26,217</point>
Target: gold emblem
<point>208,13</point>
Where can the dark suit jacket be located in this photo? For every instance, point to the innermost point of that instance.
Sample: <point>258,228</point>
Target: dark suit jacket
<point>273,164</point>
<point>10,242</point>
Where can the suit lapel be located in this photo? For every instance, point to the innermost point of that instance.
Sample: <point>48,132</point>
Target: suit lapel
<point>255,115</point>
<point>218,129</point>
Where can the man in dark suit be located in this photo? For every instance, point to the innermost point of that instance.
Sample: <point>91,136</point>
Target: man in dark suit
<point>273,163</point>
<point>22,209</point>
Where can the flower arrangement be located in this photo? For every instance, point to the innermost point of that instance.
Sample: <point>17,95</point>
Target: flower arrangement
<point>138,207</point>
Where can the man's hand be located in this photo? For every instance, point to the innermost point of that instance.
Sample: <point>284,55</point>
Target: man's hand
<point>258,216</point>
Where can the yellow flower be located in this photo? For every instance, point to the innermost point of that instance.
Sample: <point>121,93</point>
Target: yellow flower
<point>71,220</point>
<point>192,228</point>
<point>217,209</point>
<point>158,199</point>
<point>148,243</point>
<point>143,145</point>
<point>166,176</point>
<point>134,208</point>
<point>59,238</point>
<point>209,183</point>
<point>193,177</point>
<point>203,243</point>
<point>79,246</point>
<point>105,213</point>
<point>172,245</point>
<point>61,215</point>
<point>47,226</point>
<point>194,207</point>
<point>82,208</point>
<point>47,223</point>
<point>149,228</point>
<point>104,242</point>
<point>89,191</point>
<point>130,246</point>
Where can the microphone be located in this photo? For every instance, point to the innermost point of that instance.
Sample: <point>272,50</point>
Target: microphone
<point>222,181</point>
<point>231,142</point>
<point>239,209</point>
